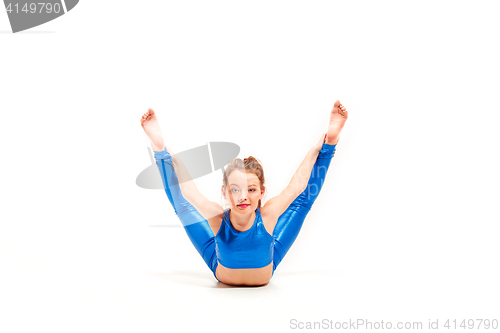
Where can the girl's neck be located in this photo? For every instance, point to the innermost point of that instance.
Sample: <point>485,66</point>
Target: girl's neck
<point>241,222</point>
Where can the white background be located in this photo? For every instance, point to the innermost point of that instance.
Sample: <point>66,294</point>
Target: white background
<point>405,229</point>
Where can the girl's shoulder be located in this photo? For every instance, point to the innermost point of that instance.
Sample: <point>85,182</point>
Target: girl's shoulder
<point>269,219</point>
<point>216,222</point>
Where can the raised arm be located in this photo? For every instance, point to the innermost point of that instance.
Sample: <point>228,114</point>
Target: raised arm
<point>207,208</point>
<point>277,205</point>
<point>183,181</point>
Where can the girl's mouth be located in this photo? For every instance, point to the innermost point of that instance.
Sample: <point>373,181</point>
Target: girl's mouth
<point>243,205</point>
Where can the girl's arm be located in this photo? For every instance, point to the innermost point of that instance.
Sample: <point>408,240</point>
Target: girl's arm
<point>190,192</point>
<point>277,205</point>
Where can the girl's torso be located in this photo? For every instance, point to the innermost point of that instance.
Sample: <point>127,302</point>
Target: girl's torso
<point>262,227</point>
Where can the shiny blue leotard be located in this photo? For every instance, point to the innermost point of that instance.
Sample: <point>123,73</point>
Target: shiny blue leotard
<point>285,232</point>
<point>252,248</point>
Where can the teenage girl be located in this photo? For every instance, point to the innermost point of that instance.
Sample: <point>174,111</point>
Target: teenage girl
<point>244,244</point>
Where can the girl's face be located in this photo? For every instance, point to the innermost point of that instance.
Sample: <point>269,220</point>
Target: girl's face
<point>243,192</point>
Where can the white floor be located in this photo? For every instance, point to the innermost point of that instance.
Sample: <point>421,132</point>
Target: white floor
<point>150,278</point>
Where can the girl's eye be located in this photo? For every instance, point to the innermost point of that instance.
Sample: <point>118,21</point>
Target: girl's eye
<point>252,190</point>
<point>234,190</point>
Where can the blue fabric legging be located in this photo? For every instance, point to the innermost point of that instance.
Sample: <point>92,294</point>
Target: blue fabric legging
<point>286,230</point>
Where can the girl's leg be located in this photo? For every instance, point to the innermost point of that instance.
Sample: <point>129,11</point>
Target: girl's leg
<point>290,222</point>
<point>195,225</point>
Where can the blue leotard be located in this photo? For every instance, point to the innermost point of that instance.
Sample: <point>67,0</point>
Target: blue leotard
<point>285,232</point>
<point>252,248</point>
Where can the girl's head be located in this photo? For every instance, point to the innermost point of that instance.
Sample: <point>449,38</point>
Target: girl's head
<point>243,184</point>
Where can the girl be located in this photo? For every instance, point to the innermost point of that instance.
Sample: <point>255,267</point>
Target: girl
<point>244,244</point>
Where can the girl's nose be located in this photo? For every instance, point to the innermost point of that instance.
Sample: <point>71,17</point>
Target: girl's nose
<point>243,195</point>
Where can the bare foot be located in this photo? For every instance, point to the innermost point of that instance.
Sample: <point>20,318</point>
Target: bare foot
<point>152,128</point>
<point>338,116</point>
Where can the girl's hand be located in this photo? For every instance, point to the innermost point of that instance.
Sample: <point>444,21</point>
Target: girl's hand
<point>319,145</point>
